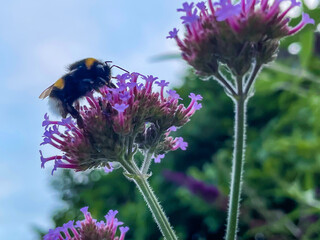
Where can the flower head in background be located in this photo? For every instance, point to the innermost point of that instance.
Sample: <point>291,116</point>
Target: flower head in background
<point>208,193</point>
<point>235,34</point>
<point>118,122</point>
<point>89,229</point>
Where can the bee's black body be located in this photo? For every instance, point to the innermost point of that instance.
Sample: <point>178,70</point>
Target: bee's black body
<point>83,76</point>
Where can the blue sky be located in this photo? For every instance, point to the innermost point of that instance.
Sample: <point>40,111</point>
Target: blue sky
<point>37,40</point>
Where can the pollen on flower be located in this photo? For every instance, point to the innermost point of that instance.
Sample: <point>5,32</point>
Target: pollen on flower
<point>89,228</point>
<point>117,122</point>
<point>234,33</point>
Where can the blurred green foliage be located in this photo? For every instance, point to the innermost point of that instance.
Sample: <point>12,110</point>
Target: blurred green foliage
<point>281,195</point>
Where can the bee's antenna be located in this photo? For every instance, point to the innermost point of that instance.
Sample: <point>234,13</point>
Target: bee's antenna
<point>119,68</point>
<point>106,62</point>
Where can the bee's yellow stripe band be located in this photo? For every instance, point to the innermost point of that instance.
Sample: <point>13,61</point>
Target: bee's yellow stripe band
<point>89,62</point>
<point>59,83</point>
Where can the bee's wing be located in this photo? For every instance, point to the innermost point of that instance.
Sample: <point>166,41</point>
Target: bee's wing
<point>46,92</point>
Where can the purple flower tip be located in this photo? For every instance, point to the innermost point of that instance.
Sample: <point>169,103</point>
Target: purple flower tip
<point>150,78</point>
<point>172,129</point>
<point>123,229</point>
<point>67,121</point>
<point>68,225</point>
<point>135,74</point>
<point>56,165</point>
<point>117,223</point>
<point>121,87</point>
<point>181,144</point>
<point>46,140</point>
<point>122,78</point>
<point>197,106</point>
<point>186,7</point>
<point>131,84</point>
<point>51,131</point>
<point>190,18</point>
<point>108,97</point>
<point>78,224</point>
<point>108,169</point>
<point>43,160</point>
<point>173,94</point>
<point>162,83</point>
<point>227,10</point>
<point>140,86</point>
<point>120,107</point>
<point>84,210</point>
<point>124,96</point>
<point>294,3</point>
<point>111,214</point>
<point>46,121</point>
<point>173,34</point>
<point>201,6</point>
<point>306,19</point>
<point>158,158</point>
<point>195,97</point>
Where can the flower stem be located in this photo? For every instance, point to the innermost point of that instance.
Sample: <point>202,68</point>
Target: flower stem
<point>140,179</point>
<point>155,208</point>
<point>237,163</point>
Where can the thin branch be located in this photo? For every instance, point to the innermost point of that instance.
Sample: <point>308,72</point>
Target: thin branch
<point>146,162</point>
<point>253,75</point>
<point>225,83</point>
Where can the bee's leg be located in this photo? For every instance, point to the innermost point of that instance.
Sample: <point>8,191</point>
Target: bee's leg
<point>111,85</point>
<point>75,114</point>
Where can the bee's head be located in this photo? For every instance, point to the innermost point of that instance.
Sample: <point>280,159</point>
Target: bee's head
<point>107,70</point>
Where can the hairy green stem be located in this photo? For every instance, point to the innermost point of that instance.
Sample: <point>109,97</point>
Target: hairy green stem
<point>140,179</point>
<point>155,208</point>
<point>237,163</point>
<point>237,169</point>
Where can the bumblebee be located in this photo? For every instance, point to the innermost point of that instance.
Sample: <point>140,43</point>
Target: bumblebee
<point>82,77</point>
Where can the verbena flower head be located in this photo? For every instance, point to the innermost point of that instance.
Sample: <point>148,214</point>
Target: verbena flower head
<point>234,33</point>
<point>118,122</point>
<point>89,229</point>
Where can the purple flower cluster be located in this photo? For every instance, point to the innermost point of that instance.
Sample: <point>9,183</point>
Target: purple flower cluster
<point>209,193</point>
<point>89,228</point>
<point>118,122</point>
<point>233,33</point>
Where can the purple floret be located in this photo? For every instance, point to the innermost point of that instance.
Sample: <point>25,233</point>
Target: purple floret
<point>186,7</point>
<point>190,18</point>
<point>158,158</point>
<point>201,6</point>
<point>162,83</point>
<point>195,97</point>
<point>120,107</point>
<point>173,33</point>
<point>173,94</point>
